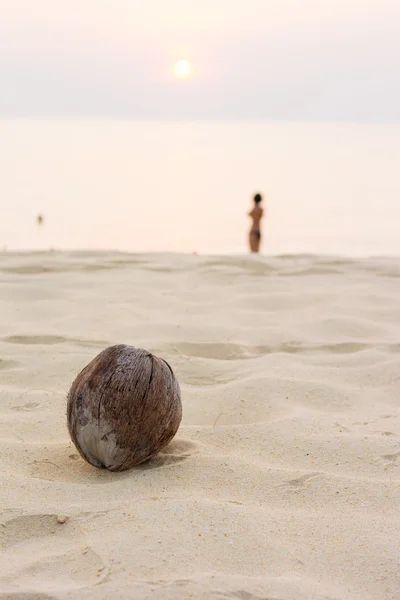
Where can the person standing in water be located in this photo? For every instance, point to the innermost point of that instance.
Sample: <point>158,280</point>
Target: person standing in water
<point>255,232</point>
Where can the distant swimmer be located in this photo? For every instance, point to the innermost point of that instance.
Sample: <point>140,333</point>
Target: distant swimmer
<point>255,232</point>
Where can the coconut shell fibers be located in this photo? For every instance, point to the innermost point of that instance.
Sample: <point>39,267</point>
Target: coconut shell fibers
<point>123,408</point>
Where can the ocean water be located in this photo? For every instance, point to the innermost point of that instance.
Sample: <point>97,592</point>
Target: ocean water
<point>187,186</point>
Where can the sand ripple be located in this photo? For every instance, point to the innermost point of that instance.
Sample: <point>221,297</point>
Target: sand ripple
<point>284,480</point>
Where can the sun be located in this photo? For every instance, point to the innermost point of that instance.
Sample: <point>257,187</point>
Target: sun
<point>183,69</point>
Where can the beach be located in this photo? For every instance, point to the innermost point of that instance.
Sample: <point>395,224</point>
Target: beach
<point>283,481</point>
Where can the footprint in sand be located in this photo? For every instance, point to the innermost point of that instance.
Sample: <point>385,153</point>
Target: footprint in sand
<point>391,459</point>
<point>45,551</point>
<point>342,428</point>
<point>295,485</point>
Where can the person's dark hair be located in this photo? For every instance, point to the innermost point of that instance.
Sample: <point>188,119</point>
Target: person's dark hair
<point>257,198</point>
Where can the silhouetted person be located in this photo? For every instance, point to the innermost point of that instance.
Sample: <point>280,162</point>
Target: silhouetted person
<point>39,219</point>
<point>255,232</point>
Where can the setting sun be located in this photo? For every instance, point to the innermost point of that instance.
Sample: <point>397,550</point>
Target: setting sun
<point>183,69</point>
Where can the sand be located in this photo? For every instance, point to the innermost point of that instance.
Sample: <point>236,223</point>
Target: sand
<point>283,482</point>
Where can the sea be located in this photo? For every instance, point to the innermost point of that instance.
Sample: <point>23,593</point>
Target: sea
<point>186,187</point>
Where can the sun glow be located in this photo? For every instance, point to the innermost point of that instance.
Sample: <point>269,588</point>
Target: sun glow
<point>183,69</point>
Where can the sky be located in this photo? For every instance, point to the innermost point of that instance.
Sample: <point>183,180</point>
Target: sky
<point>277,60</point>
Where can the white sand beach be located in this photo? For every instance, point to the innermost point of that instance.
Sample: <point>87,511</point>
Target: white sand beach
<point>283,482</point>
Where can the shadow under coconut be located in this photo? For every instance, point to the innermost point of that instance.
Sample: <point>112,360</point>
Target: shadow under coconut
<point>63,463</point>
<point>176,452</point>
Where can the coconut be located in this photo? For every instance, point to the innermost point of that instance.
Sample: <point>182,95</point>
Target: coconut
<point>123,408</point>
